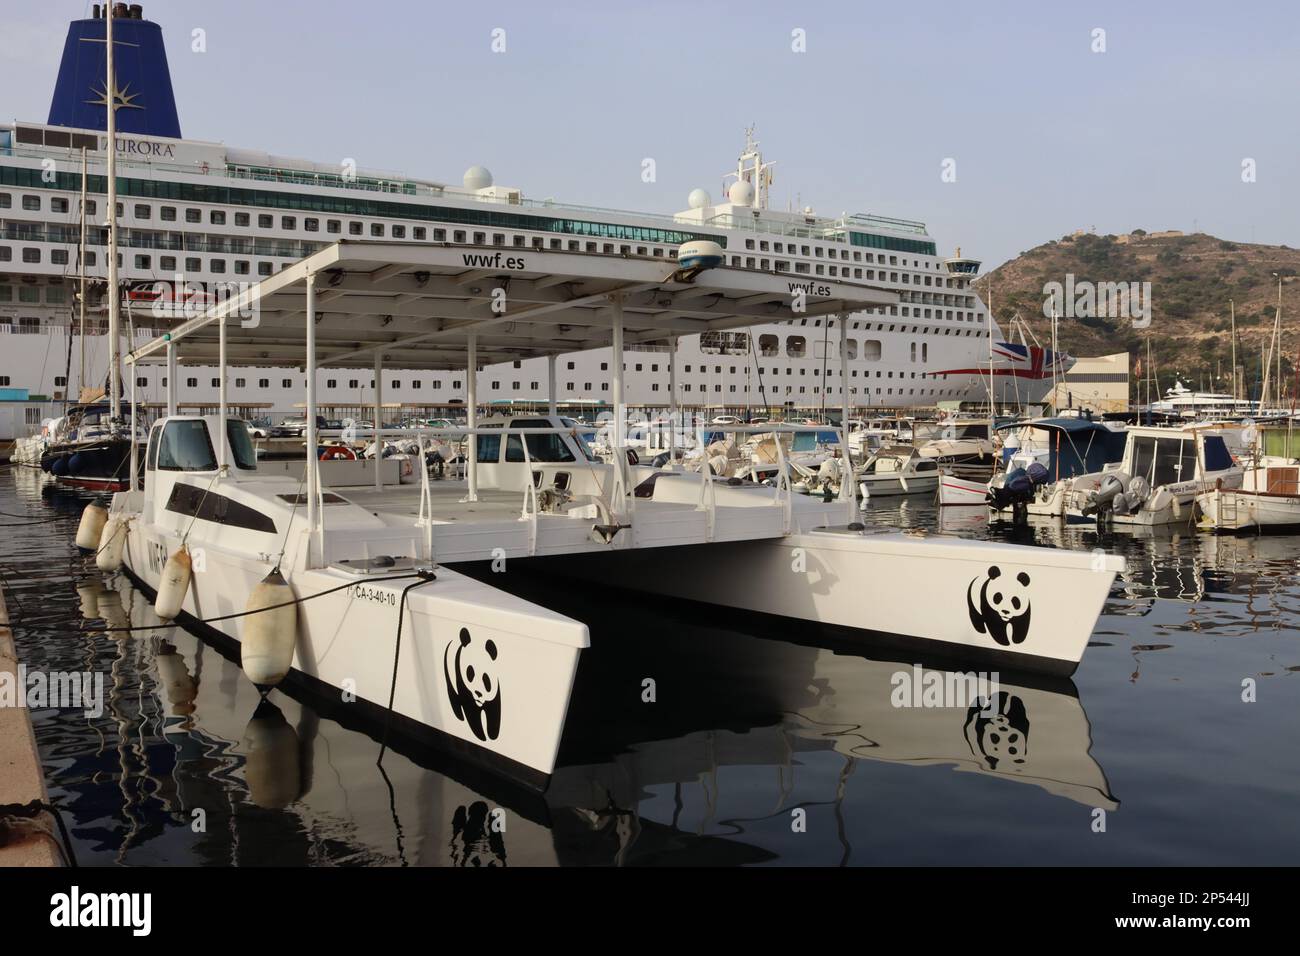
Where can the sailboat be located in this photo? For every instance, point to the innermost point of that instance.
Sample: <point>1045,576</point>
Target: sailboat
<point>93,443</point>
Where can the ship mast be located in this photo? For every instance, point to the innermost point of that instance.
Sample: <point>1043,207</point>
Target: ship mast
<point>81,267</point>
<point>751,169</point>
<point>110,98</point>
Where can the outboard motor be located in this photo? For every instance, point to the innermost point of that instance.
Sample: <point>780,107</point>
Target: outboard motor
<point>1018,488</point>
<point>1132,499</point>
<point>1117,494</point>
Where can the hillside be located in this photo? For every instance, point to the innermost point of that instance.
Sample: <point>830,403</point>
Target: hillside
<point>1193,278</point>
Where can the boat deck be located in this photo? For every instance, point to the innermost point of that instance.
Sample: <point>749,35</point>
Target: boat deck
<point>498,523</point>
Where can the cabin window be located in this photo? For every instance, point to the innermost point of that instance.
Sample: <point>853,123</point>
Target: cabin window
<point>185,446</point>
<point>1217,457</point>
<point>541,448</point>
<point>488,447</point>
<point>241,445</point>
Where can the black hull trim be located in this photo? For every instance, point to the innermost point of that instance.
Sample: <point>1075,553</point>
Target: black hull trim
<point>485,772</point>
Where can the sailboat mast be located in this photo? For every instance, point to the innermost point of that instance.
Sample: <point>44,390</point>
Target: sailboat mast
<point>1277,331</point>
<point>1232,306</point>
<point>110,97</point>
<point>81,268</point>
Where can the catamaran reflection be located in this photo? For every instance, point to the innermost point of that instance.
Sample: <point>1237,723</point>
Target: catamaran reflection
<point>292,787</point>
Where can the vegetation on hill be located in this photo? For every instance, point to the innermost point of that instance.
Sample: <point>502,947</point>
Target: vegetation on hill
<point>1193,279</point>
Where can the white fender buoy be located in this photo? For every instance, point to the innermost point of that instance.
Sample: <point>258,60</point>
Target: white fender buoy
<point>174,585</point>
<point>112,542</point>
<point>269,636</point>
<point>93,517</point>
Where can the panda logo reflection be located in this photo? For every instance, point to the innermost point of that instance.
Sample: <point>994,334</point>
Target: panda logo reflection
<point>999,736</point>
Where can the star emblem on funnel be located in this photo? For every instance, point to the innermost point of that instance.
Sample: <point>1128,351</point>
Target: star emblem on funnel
<point>123,98</point>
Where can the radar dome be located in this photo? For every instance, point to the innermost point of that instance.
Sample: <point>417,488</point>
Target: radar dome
<point>699,199</point>
<point>741,193</point>
<point>477,177</point>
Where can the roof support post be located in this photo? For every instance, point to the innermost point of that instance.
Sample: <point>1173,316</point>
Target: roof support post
<point>848,491</point>
<point>844,383</point>
<point>171,378</point>
<point>620,411</point>
<point>378,422</point>
<point>221,396</point>
<point>311,472</point>
<point>552,404</point>
<point>673,411</point>
<point>471,418</point>
<point>135,465</point>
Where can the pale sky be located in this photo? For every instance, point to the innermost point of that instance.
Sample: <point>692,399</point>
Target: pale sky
<point>1047,135</point>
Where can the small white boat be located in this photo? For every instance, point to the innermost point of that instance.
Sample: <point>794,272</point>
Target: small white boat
<point>897,470</point>
<point>1269,497</point>
<point>961,492</point>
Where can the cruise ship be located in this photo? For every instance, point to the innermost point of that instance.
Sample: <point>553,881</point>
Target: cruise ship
<point>199,219</point>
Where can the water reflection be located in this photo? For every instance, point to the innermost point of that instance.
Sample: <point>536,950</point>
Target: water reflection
<point>748,729</point>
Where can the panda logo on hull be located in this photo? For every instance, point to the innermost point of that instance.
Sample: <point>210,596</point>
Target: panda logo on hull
<point>472,685</point>
<point>999,606</point>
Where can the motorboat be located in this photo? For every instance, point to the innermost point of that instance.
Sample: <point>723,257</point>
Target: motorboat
<point>897,470</point>
<point>1040,456</point>
<point>1157,480</point>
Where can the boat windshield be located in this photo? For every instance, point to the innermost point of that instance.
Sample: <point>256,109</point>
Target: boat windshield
<point>541,448</point>
<point>184,446</point>
<point>241,445</point>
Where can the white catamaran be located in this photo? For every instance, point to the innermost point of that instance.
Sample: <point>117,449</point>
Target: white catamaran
<point>384,608</point>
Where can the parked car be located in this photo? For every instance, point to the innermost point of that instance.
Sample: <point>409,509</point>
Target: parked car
<point>296,427</point>
<point>257,431</point>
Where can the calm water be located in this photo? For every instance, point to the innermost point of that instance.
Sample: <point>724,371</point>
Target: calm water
<point>759,750</point>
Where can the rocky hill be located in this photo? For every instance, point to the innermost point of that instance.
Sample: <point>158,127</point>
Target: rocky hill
<point>1193,278</point>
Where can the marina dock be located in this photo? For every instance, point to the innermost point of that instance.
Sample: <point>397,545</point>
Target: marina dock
<point>22,779</point>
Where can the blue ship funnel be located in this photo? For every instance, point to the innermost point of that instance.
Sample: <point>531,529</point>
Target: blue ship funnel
<point>143,85</point>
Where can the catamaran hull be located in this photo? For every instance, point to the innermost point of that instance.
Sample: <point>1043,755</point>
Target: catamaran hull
<point>455,631</point>
<point>1021,608</point>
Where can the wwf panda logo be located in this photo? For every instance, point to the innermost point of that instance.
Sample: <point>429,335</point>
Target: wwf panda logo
<point>472,685</point>
<point>999,605</point>
<point>999,736</point>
